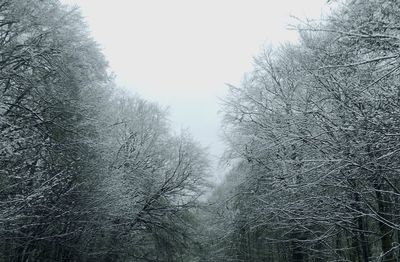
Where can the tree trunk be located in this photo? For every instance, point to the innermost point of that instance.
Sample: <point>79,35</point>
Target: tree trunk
<point>386,230</point>
<point>362,227</point>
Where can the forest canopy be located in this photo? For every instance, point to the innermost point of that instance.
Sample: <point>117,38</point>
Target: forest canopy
<point>314,130</point>
<point>89,172</point>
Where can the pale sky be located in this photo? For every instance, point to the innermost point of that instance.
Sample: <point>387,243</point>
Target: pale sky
<point>180,53</point>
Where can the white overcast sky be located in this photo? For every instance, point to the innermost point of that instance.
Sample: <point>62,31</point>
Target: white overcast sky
<point>180,53</point>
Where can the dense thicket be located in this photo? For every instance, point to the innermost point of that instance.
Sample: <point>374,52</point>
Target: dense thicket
<point>313,133</point>
<point>90,173</point>
<point>87,173</point>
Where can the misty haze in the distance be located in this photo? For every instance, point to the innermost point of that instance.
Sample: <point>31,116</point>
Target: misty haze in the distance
<point>114,116</point>
<point>181,54</point>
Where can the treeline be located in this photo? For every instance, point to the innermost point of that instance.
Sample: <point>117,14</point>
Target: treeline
<point>90,173</point>
<point>87,173</point>
<point>313,135</point>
